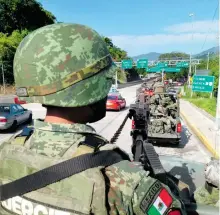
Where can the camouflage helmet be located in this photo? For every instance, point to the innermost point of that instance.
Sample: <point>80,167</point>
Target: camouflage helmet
<point>65,65</point>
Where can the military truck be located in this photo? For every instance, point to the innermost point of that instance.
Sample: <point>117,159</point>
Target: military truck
<point>164,123</point>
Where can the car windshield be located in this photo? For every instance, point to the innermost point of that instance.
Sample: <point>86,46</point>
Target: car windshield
<point>112,97</point>
<point>5,109</point>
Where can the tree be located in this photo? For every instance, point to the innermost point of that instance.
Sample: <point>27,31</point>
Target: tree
<point>116,53</point>
<point>23,14</point>
<point>17,19</point>
<point>174,56</point>
<point>8,46</point>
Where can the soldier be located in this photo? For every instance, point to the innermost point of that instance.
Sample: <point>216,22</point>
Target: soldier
<point>68,69</point>
<point>209,194</point>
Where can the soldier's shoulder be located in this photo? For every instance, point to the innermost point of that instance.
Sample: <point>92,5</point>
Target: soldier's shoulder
<point>125,175</point>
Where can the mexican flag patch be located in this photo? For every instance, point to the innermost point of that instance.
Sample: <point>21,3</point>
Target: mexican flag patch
<point>161,204</point>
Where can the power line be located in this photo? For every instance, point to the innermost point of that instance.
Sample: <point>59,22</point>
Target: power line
<point>212,22</point>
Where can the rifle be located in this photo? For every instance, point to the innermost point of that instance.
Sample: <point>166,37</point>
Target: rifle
<point>144,152</point>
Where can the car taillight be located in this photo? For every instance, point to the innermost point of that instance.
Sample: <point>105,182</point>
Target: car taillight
<point>179,127</point>
<point>133,124</point>
<point>3,120</point>
<point>16,100</point>
<point>176,212</point>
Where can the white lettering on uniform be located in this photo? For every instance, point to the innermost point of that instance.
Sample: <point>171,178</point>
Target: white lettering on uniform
<point>40,209</point>
<point>16,205</point>
<point>26,207</point>
<point>22,206</point>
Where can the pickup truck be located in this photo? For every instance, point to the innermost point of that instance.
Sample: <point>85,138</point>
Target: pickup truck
<point>164,123</point>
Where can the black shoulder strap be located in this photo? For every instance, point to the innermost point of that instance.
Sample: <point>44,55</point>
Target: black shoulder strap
<point>58,172</point>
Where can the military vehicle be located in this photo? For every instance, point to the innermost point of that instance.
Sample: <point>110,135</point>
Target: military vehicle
<point>164,123</point>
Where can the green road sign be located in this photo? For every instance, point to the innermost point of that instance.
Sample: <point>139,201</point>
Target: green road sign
<point>172,69</point>
<point>142,63</point>
<point>162,64</point>
<point>182,64</point>
<point>126,64</point>
<point>154,69</point>
<point>203,83</point>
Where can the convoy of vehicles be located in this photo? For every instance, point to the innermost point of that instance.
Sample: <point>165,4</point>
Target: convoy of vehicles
<point>13,115</point>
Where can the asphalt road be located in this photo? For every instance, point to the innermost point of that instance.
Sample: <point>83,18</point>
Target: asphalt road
<point>190,147</point>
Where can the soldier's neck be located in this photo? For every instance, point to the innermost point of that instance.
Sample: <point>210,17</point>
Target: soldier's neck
<point>57,119</point>
<point>66,115</point>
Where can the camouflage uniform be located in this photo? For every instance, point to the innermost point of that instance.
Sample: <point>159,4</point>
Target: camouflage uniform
<point>209,194</point>
<point>68,65</point>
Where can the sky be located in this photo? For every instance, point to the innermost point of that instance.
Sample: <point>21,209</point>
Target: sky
<point>143,26</point>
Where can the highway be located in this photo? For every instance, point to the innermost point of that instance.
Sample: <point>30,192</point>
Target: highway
<point>190,147</point>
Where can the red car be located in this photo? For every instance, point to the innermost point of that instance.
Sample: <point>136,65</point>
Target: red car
<point>115,102</point>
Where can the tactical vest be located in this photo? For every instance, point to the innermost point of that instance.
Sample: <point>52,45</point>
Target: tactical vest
<point>82,193</point>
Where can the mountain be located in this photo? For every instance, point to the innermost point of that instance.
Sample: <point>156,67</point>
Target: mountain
<point>154,55</point>
<point>212,52</point>
<point>149,56</point>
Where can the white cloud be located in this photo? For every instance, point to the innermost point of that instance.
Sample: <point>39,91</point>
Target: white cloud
<point>161,39</point>
<point>174,37</point>
<point>197,26</point>
<point>161,42</point>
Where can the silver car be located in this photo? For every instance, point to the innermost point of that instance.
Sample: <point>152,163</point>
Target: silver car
<point>12,115</point>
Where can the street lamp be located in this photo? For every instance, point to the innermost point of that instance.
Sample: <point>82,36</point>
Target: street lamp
<point>190,57</point>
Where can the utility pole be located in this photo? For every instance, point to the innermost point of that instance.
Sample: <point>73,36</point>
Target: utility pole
<point>3,77</point>
<point>162,75</point>
<point>116,79</point>
<point>208,62</point>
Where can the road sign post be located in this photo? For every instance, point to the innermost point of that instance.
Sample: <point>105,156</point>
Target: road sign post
<point>3,77</point>
<point>203,83</point>
<point>116,79</point>
<point>162,75</point>
<point>126,64</point>
<point>142,63</point>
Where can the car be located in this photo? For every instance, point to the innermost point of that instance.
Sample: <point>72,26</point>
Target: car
<point>11,99</point>
<point>115,101</point>
<point>12,115</point>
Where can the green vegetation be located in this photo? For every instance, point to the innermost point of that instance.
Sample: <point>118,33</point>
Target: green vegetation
<point>175,56</point>
<point>201,100</point>
<point>118,55</point>
<point>213,67</point>
<point>18,18</point>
